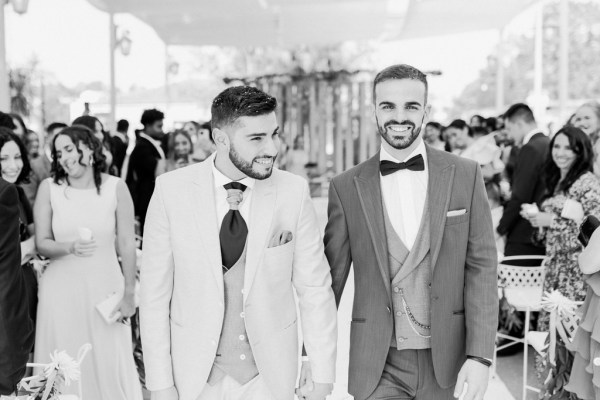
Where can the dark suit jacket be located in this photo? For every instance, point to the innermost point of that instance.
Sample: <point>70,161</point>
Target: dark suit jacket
<point>464,297</point>
<point>527,187</point>
<point>119,151</point>
<point>141,175</point>
<point>16,328</point>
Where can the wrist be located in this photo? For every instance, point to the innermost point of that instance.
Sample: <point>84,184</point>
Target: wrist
<point>481,360</point>
<point>71,248</point>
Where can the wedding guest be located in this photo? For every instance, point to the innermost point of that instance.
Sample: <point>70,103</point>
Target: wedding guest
<point>572,191</point>
<point>587,118</point>
<point>297,158</point>
<point>201,139</point>
<point>16,335</point>
<point>20,127</point>
<point>119,143</point>
<point>180,150</point>
<point>14,168</point>
<point>84,221</point>
<point>476,120</point>
<point>97,128</point>
<point>32,143</point>
<point>147,161</point>
<point>585,375</point>
<point>433,135</point>
<point>528,185</point>
<point>42,165</point>
<point>481,147</point>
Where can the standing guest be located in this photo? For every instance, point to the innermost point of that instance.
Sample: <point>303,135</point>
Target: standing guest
<point>481,147</point>
<point>528,185</point>
<point>228,242</point>
<point>415,223</point>
<point>180,150</point>
<point>16,335</point>
<point>476,121</point>
<point>572,192</point>
<point>42,165</point>
<point>14,168</point>
<point>433,135</point>
<point>32,144</point>
<point>97,129</point>
<point>146,162</point>
<point>84,221</point>
<point>119,143</point>
<point>587,118</point>
<point>20,127</point>
<point>200,135</point>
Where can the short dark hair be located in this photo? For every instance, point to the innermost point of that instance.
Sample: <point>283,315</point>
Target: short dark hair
<point>88,121</point>
<point>519,111</point>
<point>581,145</point>
<point>122,125</point>
<point>461,124</point>
<point>240,101</point>
<point>479,131</point>
<point>151,116</point>
<point>435,125</point>
<point>19,121</point>
<point>6,121</point>
<point>207,125</point>
<point>400,71</point>
<point>55,125</point>
<point>7,135</point>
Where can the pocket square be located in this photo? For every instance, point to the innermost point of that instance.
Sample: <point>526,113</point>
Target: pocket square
<point>456,213</point>
<point>281,238</point>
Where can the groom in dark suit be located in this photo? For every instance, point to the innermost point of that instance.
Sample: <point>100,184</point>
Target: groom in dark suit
<point>16,328</point>
<point>416,225</point>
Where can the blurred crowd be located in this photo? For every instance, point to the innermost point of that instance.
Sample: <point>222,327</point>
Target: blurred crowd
<point>539,184</point>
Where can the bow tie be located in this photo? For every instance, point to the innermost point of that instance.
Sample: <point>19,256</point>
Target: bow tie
<point>414,164</point>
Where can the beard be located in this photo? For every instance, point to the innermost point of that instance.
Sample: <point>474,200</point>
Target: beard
<point>397,142</point>
<point>247,167</point>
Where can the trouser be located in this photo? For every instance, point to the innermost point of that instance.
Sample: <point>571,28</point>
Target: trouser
<point>229,389</point>
<point>408,374</point>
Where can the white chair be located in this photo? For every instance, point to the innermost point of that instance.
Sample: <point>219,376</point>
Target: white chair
<point>523,290</point>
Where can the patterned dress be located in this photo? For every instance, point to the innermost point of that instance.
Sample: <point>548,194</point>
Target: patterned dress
<point>562,246</point>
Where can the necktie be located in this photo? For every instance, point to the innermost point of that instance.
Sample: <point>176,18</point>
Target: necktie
<point>414,164</point>
<point>233,229</point>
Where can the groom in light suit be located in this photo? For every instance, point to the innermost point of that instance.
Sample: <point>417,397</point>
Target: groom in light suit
<point>226,242</point>
<point>416,224</point>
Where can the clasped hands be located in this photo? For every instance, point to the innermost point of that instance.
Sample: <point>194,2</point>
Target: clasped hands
<point>537,219</point>
<point>310,390</point>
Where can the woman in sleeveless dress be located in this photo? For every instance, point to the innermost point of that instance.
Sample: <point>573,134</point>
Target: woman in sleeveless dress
<point>84,271</point>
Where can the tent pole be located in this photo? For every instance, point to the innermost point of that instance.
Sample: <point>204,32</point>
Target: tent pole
<point>4,84</point>
<point>113,90</point>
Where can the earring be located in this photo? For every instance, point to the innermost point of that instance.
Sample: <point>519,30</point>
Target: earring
<point>91,160</point>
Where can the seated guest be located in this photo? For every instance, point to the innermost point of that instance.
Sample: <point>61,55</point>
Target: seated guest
<point>16,335</point>
<point>585,375</point>
<point>433,135</point>
<point>572,191</point>
<point>14,168</point>
<point>180,150</point>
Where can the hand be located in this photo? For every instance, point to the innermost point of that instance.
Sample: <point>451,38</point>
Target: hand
<point>541,220</point>
<point>166,394</point>
<point>125,308</point>
<point>309,389</point>
<point>476,376</point>
<point>83,248</point>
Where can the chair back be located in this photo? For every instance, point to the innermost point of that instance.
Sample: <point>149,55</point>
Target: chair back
<point>511,275</point>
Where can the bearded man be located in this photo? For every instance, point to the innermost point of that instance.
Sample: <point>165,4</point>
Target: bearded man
<point>226,242</point>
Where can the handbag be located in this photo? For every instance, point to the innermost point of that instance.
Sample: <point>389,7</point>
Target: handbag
<point>587,228</point>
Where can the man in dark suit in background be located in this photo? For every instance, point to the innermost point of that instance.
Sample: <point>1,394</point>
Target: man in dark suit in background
<point>146,162</point>
<point>527,180</point>
<point>16,327</point>
<point>416,225</point>
<point>119,142</point>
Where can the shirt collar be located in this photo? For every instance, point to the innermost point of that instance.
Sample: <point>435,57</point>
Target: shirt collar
<point>531,134</point>
<point>420,149</point>
<point>150,139</point>
<point>221,179</point>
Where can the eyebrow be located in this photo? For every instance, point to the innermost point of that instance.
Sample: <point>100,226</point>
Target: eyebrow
<point>408,103</point>
<point>261,134</point>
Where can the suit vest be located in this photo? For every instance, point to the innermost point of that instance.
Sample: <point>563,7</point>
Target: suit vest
<point>234,354</point>
<point>411,274</point>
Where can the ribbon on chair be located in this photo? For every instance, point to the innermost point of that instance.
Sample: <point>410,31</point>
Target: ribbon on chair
<point>559,307</point>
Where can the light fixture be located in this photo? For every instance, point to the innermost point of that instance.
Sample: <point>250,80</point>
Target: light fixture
<point>20,6</point>
<point>123,43</point>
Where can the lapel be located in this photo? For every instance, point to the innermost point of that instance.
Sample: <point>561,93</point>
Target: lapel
<point>368,186</point>
<point>441,176</point>
<point>205,216</point>
<point>262,208</point>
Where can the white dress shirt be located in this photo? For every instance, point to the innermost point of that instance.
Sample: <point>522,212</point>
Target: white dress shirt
<point>221,196</point>
<point>155,143</point>
<point>404,193</point>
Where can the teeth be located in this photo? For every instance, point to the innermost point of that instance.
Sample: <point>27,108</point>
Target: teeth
<point>264,161</point>
<point>399,128</point>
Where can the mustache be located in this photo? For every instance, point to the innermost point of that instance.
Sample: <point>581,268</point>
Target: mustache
<point>394,122</point>
<point>272,158</point>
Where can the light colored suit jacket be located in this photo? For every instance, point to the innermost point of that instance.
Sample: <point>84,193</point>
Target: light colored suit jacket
<point>464,295</point>
<point>182,297</point>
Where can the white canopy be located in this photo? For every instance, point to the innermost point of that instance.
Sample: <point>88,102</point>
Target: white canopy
<point>294,22</point>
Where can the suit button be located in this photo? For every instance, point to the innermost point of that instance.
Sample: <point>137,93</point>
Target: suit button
<point>242,314</point>
<point>396,289</point>
<point>243,357</point>
<point>389,310</point>
<point>242,337</point>
<point>401,339</point>
<point>399,313</point>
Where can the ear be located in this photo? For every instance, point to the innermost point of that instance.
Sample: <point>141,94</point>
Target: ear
<point>372,109</point>
<point>221,138</point>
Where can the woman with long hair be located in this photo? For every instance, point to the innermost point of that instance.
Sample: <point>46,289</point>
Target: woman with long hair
<point>180,150</point>
<point>587,118</point>
<point>84,223</point>
<point>15,168</point>
<point>97,129</point>
<point>572,191</point>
